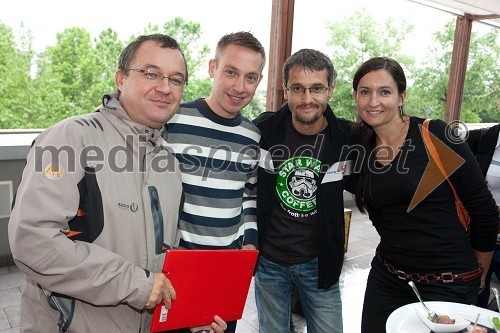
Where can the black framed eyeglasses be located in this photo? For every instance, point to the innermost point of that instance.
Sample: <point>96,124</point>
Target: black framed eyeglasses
<point>298,90</point>
<point>176,82</point>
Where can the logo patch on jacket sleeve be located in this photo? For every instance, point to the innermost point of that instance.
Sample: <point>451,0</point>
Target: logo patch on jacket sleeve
<point>53,172</point>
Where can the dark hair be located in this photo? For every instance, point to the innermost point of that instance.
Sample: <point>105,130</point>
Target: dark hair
<point>164,41</point>
<point>312,60</point>
<point>390,65</point>
<point>363,133</point>
<point>240,38</point>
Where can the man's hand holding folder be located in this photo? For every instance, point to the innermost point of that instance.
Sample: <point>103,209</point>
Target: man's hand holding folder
<point>162,291</point>
<point>200,302</point>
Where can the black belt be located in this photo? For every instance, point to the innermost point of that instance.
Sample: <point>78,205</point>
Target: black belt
<point>439,277</point>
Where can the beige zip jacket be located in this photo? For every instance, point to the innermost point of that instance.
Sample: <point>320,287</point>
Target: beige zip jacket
<point>95,211</point>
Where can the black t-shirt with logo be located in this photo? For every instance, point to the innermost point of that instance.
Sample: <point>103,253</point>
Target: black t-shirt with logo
<point>292,234</point>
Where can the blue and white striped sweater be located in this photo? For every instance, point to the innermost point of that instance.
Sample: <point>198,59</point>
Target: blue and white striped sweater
<point>218,159</point>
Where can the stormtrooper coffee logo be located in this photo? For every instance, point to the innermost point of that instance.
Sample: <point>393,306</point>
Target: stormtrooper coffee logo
<point>297,184</point>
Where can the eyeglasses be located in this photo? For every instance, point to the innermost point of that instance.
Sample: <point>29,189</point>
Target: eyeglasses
<point>314,90</point>
<point>175,82</point>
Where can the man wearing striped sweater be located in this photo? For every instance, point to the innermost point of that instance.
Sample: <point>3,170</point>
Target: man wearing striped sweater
<point>218,152</point>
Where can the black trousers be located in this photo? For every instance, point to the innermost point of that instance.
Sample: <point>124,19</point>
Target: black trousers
<point>385,293</point>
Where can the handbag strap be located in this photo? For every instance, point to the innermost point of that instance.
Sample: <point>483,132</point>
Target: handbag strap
<point>435,156</point>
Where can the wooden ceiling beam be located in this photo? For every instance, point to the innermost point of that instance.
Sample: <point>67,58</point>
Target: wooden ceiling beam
<point>483,17</point>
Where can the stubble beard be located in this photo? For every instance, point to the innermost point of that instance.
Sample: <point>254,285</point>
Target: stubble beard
<point>307,120</point>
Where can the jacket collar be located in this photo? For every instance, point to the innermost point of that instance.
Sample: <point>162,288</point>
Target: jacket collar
<point>111,105</point>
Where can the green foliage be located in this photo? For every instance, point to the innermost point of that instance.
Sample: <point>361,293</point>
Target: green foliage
<point>359,38</point>
<point>252,110</point>
<point>481,100</point>
<point>15,82</point>
<point>197,88</point>
<point>107,51</point>
<point>70,77</point>
<point>187,34</point>
<point>355,40</point>
<point>74,74</point>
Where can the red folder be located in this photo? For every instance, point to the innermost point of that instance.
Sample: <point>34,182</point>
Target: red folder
<point>207,283</point>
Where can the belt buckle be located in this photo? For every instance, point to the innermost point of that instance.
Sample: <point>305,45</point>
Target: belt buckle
<point>447,277</point>
<point>401,274</point>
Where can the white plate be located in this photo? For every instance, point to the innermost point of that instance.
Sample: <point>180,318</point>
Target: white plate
<point>442,309</point>
<point>405,318</point>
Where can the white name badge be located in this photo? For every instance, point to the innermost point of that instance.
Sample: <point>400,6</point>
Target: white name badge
<point>337,171</point>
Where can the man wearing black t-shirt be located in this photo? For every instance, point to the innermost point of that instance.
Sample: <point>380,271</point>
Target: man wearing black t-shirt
<point>300,211</point>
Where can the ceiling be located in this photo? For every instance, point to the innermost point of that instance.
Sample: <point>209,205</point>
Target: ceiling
<point>461,7</point>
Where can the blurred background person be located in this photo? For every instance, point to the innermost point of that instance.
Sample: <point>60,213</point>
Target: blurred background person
<point>485,144</point>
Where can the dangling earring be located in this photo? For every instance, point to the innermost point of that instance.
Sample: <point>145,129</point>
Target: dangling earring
<point>401,111</point>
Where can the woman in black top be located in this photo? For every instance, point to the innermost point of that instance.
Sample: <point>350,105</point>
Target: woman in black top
<point>421,238</point>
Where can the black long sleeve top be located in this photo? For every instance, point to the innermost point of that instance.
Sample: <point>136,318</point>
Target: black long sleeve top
<point>429,238</point>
